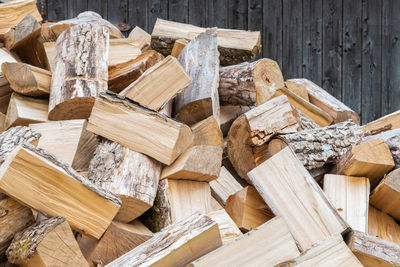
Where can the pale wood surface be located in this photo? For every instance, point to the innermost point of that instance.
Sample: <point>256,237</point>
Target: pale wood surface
<point>177,245</point>
<point>227,227</point>
<point>142,37</point>
<point>179,44</point>
<point>19,31</point>
<point>207,132</point>
<point>297,88</point>
<point>382,225</point>
<point>224,186</point>
<point>228,114</point>
<point>165,139</point>
<point>267,245</point>
<point>291,192</point>
<point>388,122</point>
<point>350,196</point>
<point>5,56</point>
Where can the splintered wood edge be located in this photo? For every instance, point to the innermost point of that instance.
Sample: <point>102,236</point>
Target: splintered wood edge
<point>25,242</point>
<point>74,174</point>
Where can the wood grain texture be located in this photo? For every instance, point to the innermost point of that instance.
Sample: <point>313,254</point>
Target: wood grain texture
<point>224,186</point>
<point>227,227</point>
<point>383,225</point>
<point>392,139</point>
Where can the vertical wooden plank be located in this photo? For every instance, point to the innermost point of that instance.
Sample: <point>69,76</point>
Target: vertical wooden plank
<point>57,10</point>
<point>312,40</point>
<point>272,30</point>
<point>292,57</point>
<point>178,10</point>
<point>137,14</point>
<point>76,6</point>
<point>198,12</point>
<point>42,7</point>
<point>117,11</point>
<point>98,6</point>
<point>391,57</point>
<point>352,46</point>
<point>218,13</point>
<point>332,47</point>
<point>255,15</point>
<point>371,60</point>
<point>158,9</point>
<point>237,14</point>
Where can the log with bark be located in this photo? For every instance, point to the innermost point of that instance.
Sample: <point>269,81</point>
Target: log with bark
<point>80,72</point>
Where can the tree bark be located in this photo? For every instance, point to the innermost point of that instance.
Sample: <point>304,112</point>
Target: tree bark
<point>80,72</point>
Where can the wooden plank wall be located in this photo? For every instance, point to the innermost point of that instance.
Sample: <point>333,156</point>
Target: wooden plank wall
<point>349,47</point>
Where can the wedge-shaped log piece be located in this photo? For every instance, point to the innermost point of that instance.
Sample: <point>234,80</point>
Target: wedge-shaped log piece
<point>5,56</point>
<point>23,110</point>
<point>235,46</point>
<point>228,115</point>
<point>392,139</point>
<point>227,227</point>
<point>316,147</point>
<point>139,129</point>
<point>178,47</point>
<point>63,192</point>
<point>176,200</point>
<point>249,84</point>
<point>373,251</point>
<point>322,99</point>
<point>198,163</point>
<point>248,209</point>
<point>386,196</point>
<point>297,88</point>
<point>255,128</point>
<point>158,84</point>
<point>224,186</point>
<point>291,192</point>
<point>123,74</point>
<point>131,175</point>
<point>48,243</point>
<point>78,79</point>
<point>14,217</point>
<point>142,37</point>
<point>119,239</point>
<point>382,225</point>
<point>207,132</point>
<point>388,122</point>
<point>21,30</point>
<point>200,61</point>
<point>370,159</point>
<point>69,140</point>
<point>331,252</point>
<point>176,245</point>
<point>349,195</point>
<point>267,245</point>
<point>13,12</point>
<point>26,79</point>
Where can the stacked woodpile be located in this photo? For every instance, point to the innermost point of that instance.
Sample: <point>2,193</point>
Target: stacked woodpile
<point>180,149</point>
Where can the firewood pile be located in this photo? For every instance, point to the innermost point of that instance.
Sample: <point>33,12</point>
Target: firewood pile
<point>179,148</point>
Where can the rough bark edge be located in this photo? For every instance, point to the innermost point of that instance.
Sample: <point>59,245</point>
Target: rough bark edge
<point>25,242</point>
<point>74,174</point>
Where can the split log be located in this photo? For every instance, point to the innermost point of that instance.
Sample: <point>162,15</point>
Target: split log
<point>14,217</point>
<point>388,122</point>
<point>177,245</point>
<point>349,195</point>
<point>267,245</point>
<point>80,72</point>
<point>291,192</point>
<point>248,209</point>
<point>255,128</point>
<point>386,196</point>
<point>165,139</point>
<point>322,99</point>
<point>158,84</point>
<point>131,175</point>
<point>69,140</point>
<point>5,56</point>
<point>87,207</point>
<point>228,114</point>
<point>227,227</point>
<point>297,88</point>
<point>143,38</point>
<point>249,84</point>
<point>23,110</point>
<point>200,61</point>
<point>21,30</point>
<point>13,12</point>
<point>207,133</point>
<point>123,74</point>
<point>118,239</point>
<point>373,251</point>
<point>370,159</point>
<point>176,200</point>
<point>178,47</point>
<point>235,46</point>
<point>316,147</point>
<point>331,252</point>
<point>382,225</point>
<point>198,163</point>
<point>26,79</point>
<point>224,186</point>
<point>215,205</point>
<point>49,243</point>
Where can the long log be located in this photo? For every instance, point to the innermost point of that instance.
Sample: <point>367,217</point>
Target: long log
<point>80,72</point>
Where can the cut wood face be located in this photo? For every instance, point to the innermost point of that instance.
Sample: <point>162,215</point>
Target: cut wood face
<point>21,30</point>
<point>388,122</point>
<point>383,225</point>
<point>224,186</point>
